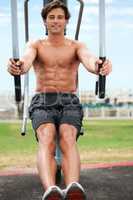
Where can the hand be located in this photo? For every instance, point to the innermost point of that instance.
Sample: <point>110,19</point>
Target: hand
<point>105,69</point>
<point>15,68</point>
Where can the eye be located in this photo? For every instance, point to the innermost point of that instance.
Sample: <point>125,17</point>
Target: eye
<point>60,17</point>
<point>51,17</point>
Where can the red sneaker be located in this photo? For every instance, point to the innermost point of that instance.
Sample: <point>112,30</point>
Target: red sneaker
<point>53,193</point>
<point>75,191</point>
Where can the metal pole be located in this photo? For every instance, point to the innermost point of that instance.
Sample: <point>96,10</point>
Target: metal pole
<point>102,31</point>
<point>26,76</point>
<point>15,48</point>
<point>79,19</point>
<point>77,31</point>
<point>101,82</point>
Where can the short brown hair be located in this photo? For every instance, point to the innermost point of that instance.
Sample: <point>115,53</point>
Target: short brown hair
<point>52,5</point>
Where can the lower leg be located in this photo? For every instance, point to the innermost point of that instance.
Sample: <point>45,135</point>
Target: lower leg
<point>46,165</point>
<point>71,165</point>
<point>45,158</point>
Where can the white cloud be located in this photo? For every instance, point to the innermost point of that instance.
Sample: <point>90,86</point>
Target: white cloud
<point>130,26</point>
<point>91,11</point>
<point>84,27</point>
<point>4,19</point>
<point>97,1</point>
<point>123,11</point>
<point>119,25</point>
<point>5,16</point>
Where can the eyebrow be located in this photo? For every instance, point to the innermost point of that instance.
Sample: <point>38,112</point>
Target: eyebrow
<point>54,15</point>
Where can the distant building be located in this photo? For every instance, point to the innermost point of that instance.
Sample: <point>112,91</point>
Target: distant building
<point>118,103</point>
<point>8,109</point>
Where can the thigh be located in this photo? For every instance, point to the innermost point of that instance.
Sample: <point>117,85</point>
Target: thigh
<point>41,116</point>
<point>72,115</point>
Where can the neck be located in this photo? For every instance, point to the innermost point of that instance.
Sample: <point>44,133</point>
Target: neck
<point>56,39</point>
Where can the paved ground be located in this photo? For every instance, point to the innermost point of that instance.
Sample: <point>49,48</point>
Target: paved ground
<point>111,183</point>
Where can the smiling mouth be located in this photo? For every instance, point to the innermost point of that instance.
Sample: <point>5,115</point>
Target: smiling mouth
<point>55,26</point>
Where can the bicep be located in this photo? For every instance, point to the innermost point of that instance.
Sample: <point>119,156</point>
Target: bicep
<point>30,53</point>
<point>83,54</point>
<point>86,58</point>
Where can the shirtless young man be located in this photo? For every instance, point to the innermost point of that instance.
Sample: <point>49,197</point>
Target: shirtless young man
<point>55,106</point>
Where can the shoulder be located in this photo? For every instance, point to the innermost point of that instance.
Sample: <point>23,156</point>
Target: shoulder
<point>33,43</point>
<point>78,44</point>
<point>81,45</point>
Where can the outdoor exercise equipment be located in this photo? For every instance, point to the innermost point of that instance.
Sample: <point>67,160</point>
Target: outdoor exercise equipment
<point>15,49</point>
<point>26,76</point>
<point>101,79</point>
<point>26,82</point>
<point>100,84</point>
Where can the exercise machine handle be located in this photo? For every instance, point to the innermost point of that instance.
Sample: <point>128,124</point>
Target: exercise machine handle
<point>101,82</point>
<point>17,84</point>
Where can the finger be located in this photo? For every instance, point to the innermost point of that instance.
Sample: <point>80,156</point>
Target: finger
<point>15,72</point>
<point>13,69</point>
<point>19,63</point>
<point>99,61</point>
<point>104,71</point>
<point>106,62</point>
<point>12,61</point>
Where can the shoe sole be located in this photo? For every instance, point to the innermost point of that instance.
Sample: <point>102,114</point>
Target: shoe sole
<point>75,193</point>
<point>54,195</point>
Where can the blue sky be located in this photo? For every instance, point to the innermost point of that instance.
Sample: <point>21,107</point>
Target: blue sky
<point>119,40</point>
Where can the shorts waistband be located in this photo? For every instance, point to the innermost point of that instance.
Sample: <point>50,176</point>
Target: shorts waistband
<point>55,94</point>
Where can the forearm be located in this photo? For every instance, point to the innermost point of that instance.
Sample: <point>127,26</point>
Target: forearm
<point>90,63</point>
<point>27,63</point>
<point>28,57</point>
<point>88,60</point>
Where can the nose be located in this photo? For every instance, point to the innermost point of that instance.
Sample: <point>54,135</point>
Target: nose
<point>55,19</point>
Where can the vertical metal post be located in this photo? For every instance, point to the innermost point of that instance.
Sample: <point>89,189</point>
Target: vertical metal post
<point>26,76</point>
<point>79,19</point>
<point>102,39</point>
<point>101,82</point>
<point>77,32</point>
<point>15,47</point>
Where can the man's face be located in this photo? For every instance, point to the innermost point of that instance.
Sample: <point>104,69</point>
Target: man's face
<point>55,21</point>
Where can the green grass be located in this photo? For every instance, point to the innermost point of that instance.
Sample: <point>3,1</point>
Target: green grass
<point>107,134</point>
<point>11,140</point>
<point>103,141</point>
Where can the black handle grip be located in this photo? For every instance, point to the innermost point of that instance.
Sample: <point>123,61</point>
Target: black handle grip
<point>23,134</point>
<point>101,81</point>
<point>17,84</point>
<point>96,88</point>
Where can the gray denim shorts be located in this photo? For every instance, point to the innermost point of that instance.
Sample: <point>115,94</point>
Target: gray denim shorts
<point>56,108</point>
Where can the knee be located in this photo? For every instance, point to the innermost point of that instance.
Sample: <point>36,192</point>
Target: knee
<point>46,137</point>
<point>67,137</point>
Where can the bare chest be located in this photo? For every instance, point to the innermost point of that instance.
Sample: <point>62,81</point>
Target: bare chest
<point>59,56</point>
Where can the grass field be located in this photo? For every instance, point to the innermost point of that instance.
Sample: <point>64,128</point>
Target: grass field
<point>103,141</point>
